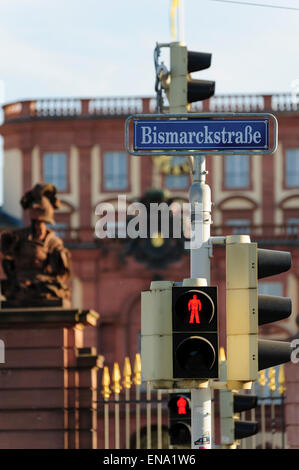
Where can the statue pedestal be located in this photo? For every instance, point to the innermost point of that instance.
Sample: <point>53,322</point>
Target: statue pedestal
<point>48,383</point>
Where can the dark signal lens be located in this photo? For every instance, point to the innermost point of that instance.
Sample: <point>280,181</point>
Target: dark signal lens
<point>180,433</point>
<point>194,353</point>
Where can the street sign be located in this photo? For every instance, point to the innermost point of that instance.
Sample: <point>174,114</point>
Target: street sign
<point>201,134</point>
<point>180,134</point>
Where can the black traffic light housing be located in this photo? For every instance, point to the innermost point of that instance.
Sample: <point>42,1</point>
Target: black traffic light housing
<point>232,427</point>
<point>198,90</point>
<point>195,332</point>
<point>179,414</point>
<point>246,310</point>
<point>273,308</point>
<point>180,87</point>
<point>241,403</point>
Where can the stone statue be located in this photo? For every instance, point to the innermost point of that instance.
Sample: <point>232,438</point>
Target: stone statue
<point>35,261</point>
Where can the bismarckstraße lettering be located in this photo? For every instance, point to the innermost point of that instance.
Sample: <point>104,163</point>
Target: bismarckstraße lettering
<point>200,134</point>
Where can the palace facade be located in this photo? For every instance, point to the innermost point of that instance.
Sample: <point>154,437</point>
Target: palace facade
<point>78,145</point>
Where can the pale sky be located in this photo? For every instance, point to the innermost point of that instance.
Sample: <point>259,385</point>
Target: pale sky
<point>88,48</point>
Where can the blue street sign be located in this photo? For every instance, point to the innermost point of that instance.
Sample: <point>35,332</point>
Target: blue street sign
<point>201,134</point>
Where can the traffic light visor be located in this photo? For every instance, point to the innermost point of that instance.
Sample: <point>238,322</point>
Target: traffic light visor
<point>199,90</point>
<point>271,262</point>
<point>198,61</point>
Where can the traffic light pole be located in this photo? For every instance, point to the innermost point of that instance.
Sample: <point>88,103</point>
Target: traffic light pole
<point>200,200</point>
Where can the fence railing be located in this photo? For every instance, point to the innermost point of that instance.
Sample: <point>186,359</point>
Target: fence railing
<point>270,413</point>
<point>132,415</point>
<point>288,231</point>
<point>276,232</point>
<point>125,105</point>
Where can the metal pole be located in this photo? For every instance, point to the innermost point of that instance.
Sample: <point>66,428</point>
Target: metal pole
<point>127,417</point>
<point>159,420</point>
<point>137,394</point>
<point>148,416</point>
<point>283,446</point>
<point>200,200</point>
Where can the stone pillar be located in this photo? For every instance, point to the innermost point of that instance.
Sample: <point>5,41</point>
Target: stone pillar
<point>88,363</point>
<point>40,394</point>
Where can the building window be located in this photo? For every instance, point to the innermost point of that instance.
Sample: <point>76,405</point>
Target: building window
<point>115,170</point>
<point>236,170</point>
<point>239,226</point>
<point>292,168</point>
<point>177,181</point>
<point>271,288</point>
<point>55,169</point>
<point>292,225</point>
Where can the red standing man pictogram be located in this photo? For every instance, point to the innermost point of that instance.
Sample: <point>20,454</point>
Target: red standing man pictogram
<point>181,404</point>
<point>194,306</point>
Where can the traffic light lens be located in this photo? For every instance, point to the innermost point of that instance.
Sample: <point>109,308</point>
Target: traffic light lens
<point>195,309</point>
<point>180,433</point>
<point>181,404</point>
<point>194,353</point>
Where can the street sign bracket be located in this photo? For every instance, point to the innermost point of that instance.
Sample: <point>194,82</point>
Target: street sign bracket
<point>209,116</point>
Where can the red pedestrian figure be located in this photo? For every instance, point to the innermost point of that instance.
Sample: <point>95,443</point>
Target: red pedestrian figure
<point>181,404</point>
<point>194,306</point>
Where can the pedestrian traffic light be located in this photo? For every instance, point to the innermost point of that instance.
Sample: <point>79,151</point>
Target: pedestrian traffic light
<point>182,89</point>
<point>232,427</point>
<point>246,310</point>
<point>179,418</point>
<point>195,332</point>
<point>179,333</point>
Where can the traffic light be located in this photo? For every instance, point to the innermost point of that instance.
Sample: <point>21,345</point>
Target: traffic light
<point>181,87</point>
<point>199,90</point>
<point>232,428</point>
<point>179,334</point>
<point>273,308</point>
<point>179,418</point>
<point>231,404</point>
<point>195,332</point>
<point>246,310</point>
